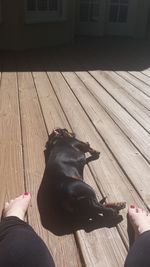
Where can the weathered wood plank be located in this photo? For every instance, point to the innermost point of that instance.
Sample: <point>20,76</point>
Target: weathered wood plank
<point>124,151</point>
<point>48,104</point>
<point>108,174</point>
<point>34,140</point>
<point>105,172</point>
<point>146,72</point>
<point>136,83</point>
<point>52,111</point>
<point>133,94</point>
<point>102,242</point>
<point>103,249</point>
<point>141,76</point>
<point>137,134</point>
<point>11,163</point>
<point>90,251</point>
<point>132,99</point>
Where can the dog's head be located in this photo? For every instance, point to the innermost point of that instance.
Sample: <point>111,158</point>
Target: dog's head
<point>57,135</point>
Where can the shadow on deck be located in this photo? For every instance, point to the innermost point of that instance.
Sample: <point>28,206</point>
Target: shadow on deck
<point>87,54</point>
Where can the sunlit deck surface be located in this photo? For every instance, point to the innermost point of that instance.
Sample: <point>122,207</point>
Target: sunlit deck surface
<point>99,89</point>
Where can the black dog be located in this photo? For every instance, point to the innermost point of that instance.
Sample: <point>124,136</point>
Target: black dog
<point>66,161</point>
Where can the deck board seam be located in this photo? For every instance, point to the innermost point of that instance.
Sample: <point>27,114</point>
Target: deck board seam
<point>39,103</point>
<point>21,133</point>
<point>115,101</point>
<point>110,148</point>
<point>142,72</point>
<point>134,75</point>
<point>59,101</point>
<point>122,169</point>
<point>116,122</point>
<point>74,234</point>
<point>147,75</point>
<point>136,100</point>
<point>126,79</point>
<point>78,241</point>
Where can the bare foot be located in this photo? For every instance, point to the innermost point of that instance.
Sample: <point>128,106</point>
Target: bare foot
<point>17,207</point>
<point>139,219</point>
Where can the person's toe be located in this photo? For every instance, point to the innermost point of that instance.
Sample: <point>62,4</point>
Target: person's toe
<point>6,204</point>
<point>26,195</point>
<point>131,210</point>
<point>139,210</point>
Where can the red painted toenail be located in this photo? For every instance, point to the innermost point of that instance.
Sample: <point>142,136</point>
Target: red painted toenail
<point>132,206</point>
<point>26,193</point>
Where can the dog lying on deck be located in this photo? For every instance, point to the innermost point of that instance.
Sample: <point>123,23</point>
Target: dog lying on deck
<point>65,165</point>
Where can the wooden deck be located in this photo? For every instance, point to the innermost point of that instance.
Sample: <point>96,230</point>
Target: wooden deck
<point>103,95</point>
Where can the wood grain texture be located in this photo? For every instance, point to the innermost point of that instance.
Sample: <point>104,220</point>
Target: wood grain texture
<point>34,140</point>
<point>137,134</point>
<point>146,72</point>
<point>82,237</point>
<point>135,96</point>
<point>110,110</point>
<point>123,150</point>
<point>114,85</point>
<point>11,162</point>
<point>137,84</point>
<point>101,247</point>
<point>141,76</point>
<point>74,112</point>
<point>106,172</point>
